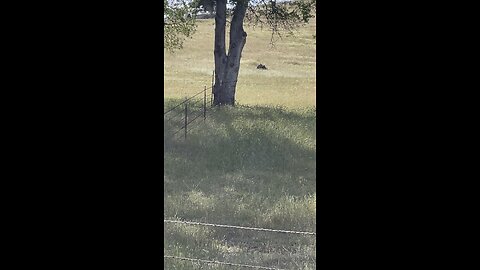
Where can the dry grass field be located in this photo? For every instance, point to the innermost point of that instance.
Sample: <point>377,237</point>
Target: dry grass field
<point>289,80</point>
<point>253,165</point>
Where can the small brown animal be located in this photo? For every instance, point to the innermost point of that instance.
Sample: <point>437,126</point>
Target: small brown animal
<point>262,66</point>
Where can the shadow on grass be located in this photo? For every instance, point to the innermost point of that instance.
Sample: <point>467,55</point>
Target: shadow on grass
<point>246,166</point>
<point>246,149</point>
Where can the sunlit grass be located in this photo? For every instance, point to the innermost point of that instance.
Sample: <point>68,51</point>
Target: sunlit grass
<point>253,165</point>
<point>289,81</point>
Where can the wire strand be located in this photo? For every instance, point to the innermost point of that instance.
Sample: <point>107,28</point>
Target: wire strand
<point>237,227</point>
<point>218,262</point>
<point>188,99</point>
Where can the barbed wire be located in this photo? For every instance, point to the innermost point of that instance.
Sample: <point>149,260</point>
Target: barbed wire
<point>195,105</point>
<point>194,126</point>
<point>179,113</point>
<point>186,100</point>
<point>197,94</point>
<point>210,95</point>
<point>221,263</point>
<point>201,114</point>
<point>237,227</point>
<point>176,132</point>
<point>188,124</point>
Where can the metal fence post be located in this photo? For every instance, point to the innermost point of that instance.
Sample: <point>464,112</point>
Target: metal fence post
<point>205,104</point>
<point>213,84</point>
<point>186,119</point>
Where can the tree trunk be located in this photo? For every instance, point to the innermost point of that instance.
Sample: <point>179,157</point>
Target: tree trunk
<point>227,67</point>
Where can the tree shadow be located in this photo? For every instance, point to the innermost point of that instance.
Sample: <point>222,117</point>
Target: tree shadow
<point>245,166</point>
<point>243,148</point>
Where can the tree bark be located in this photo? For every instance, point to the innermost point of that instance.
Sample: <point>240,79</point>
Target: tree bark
<point>227,67</point>
<point>220,52</point>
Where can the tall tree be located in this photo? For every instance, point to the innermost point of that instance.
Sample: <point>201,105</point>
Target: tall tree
<point>278,16</point>
<point>178,23</point>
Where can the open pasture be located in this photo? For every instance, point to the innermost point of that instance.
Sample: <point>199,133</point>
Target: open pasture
<point>253,165</point>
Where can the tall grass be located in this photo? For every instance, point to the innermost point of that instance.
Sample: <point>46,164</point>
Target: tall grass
<point>252,165</point>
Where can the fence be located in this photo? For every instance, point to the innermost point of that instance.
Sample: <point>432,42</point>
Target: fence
<point>191,109</point>
<point>230,227</point>
<point>187,112</point>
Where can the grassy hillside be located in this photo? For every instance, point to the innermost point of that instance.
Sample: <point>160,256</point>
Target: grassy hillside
<point>252,165</point>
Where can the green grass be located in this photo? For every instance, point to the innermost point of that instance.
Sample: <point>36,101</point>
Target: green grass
<point>252,165</point>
